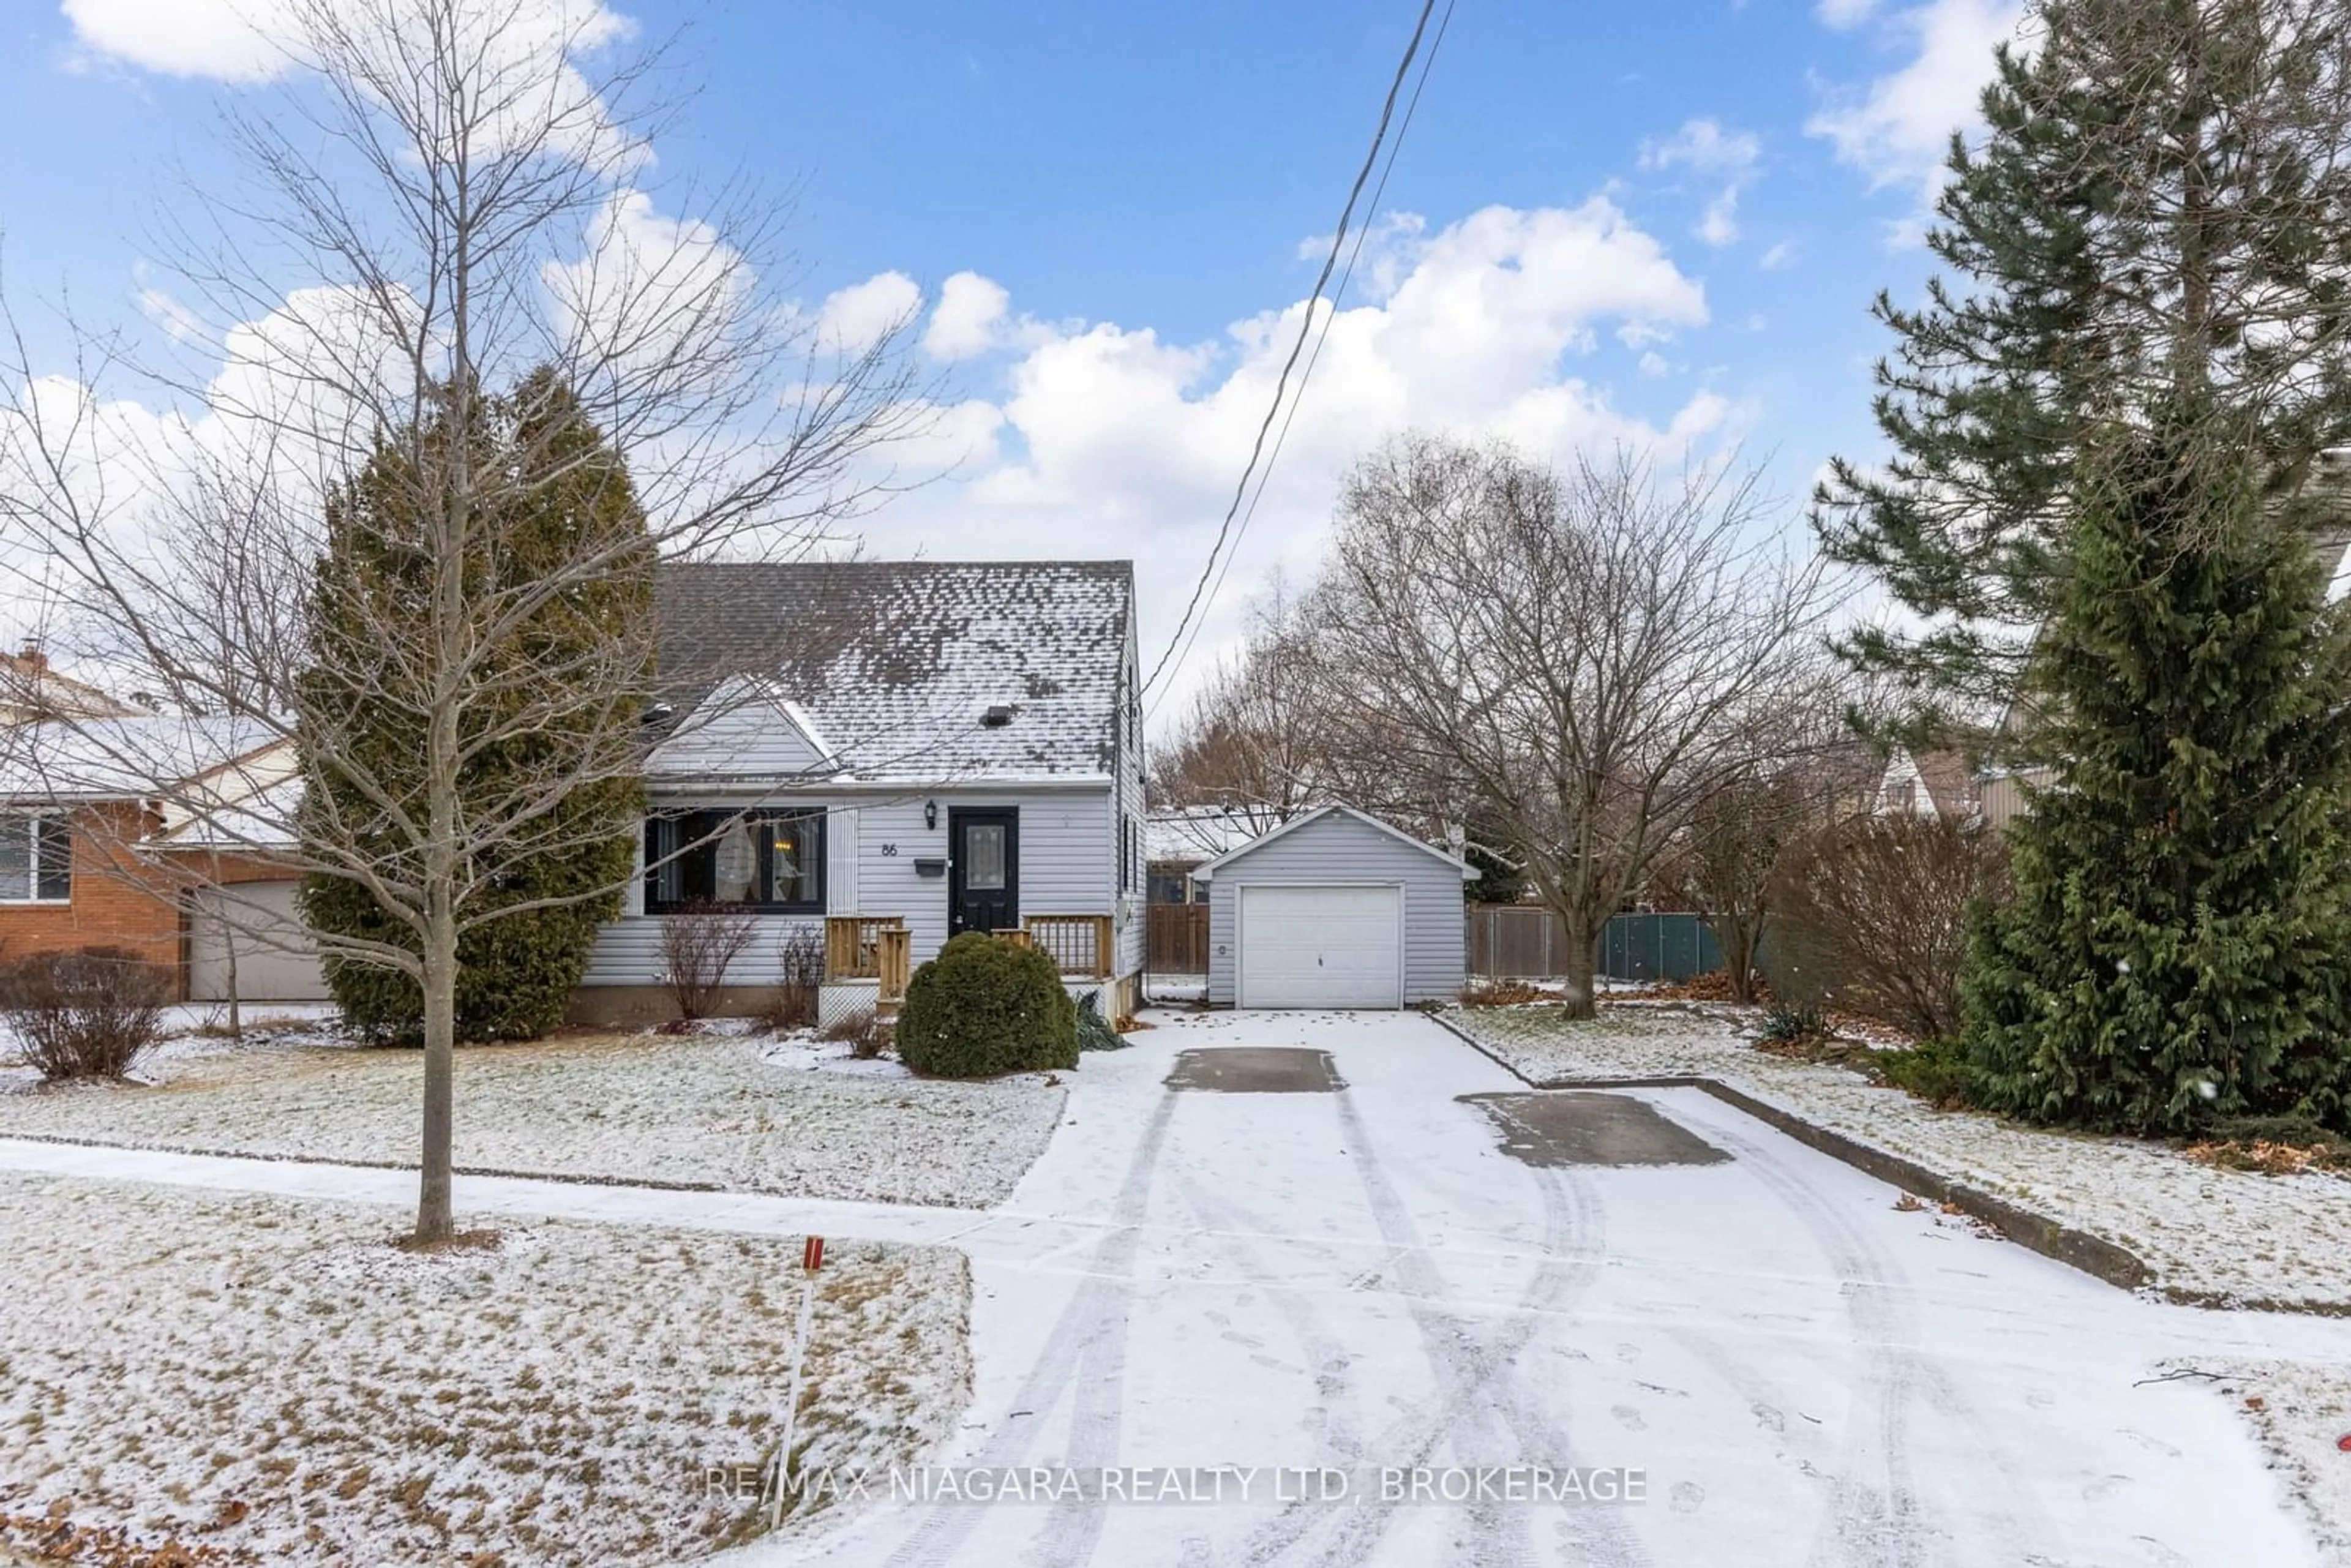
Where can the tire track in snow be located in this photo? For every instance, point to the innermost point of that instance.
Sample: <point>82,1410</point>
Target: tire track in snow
<point>1325,1357</point>
<point>1470,1373</point>
<point>1879,1522</point>
<point>1086,1347</point>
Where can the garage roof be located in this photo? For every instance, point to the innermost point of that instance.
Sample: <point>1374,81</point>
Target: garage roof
<point>1208,872</point>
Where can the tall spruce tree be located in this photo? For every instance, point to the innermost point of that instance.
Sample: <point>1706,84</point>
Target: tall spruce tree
<point>2159,213</point>
<point>2179,946</point>
<point>562,494</point>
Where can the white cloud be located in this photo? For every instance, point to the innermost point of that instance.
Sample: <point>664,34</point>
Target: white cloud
<point>646,291</point>
<point>1719,226</point>
<point>856,317</point>
<point>1704,147</point>
<point>1778,256</point>
<point>1843,14</point>
<point>1109,440</point>
<point>221,39</point>
<point>256,40</point>
<point>521,54</point>
<point>968,317</point>
<point>1898,129</point>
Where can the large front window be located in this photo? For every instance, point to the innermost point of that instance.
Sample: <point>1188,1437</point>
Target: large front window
<point>35,859</point>
<point>755,859</point>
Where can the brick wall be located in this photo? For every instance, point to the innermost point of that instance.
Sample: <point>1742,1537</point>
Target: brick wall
<point>117,901</point>
<point>120,901</point>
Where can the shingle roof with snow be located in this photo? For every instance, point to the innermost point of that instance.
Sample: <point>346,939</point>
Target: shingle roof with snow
<point>897,663</point>
<point>123,758</point>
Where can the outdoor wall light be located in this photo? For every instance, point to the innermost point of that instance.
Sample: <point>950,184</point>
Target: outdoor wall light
<point>930,813</point>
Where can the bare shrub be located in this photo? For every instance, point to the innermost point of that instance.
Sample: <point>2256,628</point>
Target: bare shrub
<point>699,943</point>
<point>799,971</point>
<point>92,1014</point>
<point>867,1035</point>
<point>1872,918</point>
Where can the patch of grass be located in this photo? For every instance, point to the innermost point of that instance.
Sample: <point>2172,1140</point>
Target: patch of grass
<point>1933,1071</point>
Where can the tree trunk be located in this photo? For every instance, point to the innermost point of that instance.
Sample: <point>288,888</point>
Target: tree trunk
<point>235,1013</point>
<point>435,1220</point>
<point>1581,997</point>
<point>1738,937</point>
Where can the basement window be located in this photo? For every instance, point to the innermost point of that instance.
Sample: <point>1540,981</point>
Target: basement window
<point>35,859</point>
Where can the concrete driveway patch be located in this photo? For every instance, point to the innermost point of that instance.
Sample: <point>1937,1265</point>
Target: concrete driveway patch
<point>1552,1130</point>
<point>1255,1070</point>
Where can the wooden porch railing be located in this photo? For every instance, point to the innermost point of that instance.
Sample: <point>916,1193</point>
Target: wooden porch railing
<point>893,958</point>
<point>853,946</point>
<point>1078,944</point>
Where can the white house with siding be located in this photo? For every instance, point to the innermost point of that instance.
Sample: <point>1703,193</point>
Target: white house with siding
<point>884,754</point>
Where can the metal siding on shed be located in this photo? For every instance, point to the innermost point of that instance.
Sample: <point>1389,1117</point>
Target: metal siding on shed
<point>1337,849</point>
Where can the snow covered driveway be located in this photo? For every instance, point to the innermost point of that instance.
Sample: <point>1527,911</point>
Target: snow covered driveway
<point>1338,1289</point>
<point>1361,1282</point>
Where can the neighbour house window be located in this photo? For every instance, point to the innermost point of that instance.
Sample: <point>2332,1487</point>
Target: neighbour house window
<point>771,861</point>
<point>35,859</point>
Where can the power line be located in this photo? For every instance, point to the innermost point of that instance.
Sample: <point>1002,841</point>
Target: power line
<point>1306,327</point>
<point>1265,477</point>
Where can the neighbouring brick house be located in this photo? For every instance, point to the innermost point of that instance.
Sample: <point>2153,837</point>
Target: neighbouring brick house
<point>30,689</point>
<point>90,858</point>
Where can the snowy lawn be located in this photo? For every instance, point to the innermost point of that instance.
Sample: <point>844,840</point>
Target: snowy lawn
<point>2300,1414</point>
<point>795,1116</point>
<point>2210,1233</point>
<point>270,1380</point>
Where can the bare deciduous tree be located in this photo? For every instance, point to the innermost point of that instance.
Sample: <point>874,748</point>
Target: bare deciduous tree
<point>457,191</point>
<point>1585,656</point>
<point>1729,864</point>
<point>1254,743</point>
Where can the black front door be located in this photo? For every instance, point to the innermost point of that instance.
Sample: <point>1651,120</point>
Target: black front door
<point>982,870</point>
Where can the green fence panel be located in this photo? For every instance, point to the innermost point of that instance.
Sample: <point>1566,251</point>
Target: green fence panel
<point>1658,948</point>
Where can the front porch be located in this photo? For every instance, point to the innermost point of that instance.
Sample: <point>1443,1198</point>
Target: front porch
<point>869,958</point>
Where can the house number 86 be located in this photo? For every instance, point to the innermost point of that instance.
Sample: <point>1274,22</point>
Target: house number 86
<point>889,848</point>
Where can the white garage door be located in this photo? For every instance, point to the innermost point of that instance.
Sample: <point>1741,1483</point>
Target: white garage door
<point>256,923</point>
<point>1321,947</point>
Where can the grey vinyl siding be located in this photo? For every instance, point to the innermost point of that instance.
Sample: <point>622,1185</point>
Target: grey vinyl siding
<point>1068,866</point>
<point>1133,810</point>
<point>1339,849</point>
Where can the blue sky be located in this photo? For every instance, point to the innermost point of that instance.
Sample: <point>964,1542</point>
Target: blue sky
<point>1655,222</point>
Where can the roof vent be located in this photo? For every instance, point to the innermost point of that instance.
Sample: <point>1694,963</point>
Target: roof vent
<point>996,717</point>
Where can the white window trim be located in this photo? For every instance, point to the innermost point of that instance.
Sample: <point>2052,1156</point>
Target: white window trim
<point>11,816</point>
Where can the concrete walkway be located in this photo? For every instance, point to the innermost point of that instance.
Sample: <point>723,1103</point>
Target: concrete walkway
<point>1363,1283</point>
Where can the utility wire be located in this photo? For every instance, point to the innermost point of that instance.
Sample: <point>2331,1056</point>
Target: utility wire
<point>1209,572</point>
<point>1265,476</point>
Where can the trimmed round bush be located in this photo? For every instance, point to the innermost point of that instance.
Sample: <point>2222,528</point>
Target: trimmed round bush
<point>984,1006</point>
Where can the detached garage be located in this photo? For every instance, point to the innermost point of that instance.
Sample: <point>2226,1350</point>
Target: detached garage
<point>1333,909</point>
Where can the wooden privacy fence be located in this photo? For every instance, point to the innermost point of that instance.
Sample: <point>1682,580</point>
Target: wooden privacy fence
<point>1521,941</point>
<point>1177,937</point>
